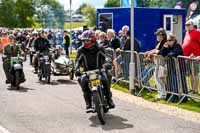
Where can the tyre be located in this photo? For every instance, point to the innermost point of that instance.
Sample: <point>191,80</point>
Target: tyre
<point>40,76</point>
<point>17,80</point>
<point>99,107</point>
<point>71,75</point>
<point>48,74</point>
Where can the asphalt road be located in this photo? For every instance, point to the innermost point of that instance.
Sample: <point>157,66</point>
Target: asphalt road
<point>60,108</point>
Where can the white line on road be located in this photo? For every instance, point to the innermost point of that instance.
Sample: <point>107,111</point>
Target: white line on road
<point>3,130</point>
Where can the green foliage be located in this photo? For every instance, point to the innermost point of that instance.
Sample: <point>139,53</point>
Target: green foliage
<point>90,13</point>
<point>24,10</point>
<point>79,10</point>
<point>24,13</point>
<point>7,14</point>
<point>74,25</point>
<point>112,3</point>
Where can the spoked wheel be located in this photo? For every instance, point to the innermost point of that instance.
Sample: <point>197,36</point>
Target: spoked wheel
<point>99,107</point>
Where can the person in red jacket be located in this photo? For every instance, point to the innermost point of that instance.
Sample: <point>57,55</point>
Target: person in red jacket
<point>191,47</point>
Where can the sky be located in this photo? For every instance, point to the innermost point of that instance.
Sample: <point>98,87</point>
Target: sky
<point>77,3</point>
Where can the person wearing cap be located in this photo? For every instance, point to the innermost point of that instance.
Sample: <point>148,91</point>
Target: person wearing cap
<point>67,41</point>
<point>10,50</point>
<point>161,37</point>
<point>191,47</point>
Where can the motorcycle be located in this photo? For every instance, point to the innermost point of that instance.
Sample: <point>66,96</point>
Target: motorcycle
<point>98,99</point>
<point>63,66</point>
<point>44,66</point>
<point>16,71</point>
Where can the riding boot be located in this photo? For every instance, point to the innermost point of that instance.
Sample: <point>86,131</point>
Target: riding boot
<point>87,101</point>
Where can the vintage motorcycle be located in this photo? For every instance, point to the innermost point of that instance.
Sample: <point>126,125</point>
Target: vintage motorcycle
<point>44,67</point>
<point>99,101</point>
<point>62,65</point>
<point>16,71</point>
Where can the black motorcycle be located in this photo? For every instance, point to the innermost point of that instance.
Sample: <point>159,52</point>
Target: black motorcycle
<point>99,101</point>
<point>44,66</point>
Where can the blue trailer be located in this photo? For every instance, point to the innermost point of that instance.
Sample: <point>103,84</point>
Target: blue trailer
<point>146,22</point>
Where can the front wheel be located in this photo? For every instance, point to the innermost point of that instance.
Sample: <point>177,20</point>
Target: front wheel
<point>99,107</point>
<point>48,74</point>
<point>17,80</point>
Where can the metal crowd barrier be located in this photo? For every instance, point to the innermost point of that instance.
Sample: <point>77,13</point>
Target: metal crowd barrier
<point>190,72</point>
<point>171,77</point>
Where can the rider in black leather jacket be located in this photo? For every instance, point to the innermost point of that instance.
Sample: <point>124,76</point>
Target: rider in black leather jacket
<point>91,57</point>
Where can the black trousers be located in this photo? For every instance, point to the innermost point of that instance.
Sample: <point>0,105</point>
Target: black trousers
<point>105,79</point>
<point>66,49</point>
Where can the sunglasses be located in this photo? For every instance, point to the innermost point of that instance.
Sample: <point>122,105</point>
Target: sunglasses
<point>188,24</point>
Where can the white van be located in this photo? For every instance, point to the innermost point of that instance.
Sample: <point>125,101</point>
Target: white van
<point>77,18</point>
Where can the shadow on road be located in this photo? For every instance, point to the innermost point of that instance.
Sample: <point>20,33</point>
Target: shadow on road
<point>58,82</point>
<point>22,89</point>
<point>62,81</point>
<point>112,122</point>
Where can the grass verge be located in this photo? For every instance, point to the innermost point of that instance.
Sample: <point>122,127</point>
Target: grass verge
<point>74,25</point>
<point>191,105</point>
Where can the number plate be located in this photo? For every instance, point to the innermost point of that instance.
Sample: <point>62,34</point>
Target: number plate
<point>95,82</point>
<point>93,76</point>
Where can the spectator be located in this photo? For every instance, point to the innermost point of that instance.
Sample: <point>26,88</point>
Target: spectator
<point>97,32</point>
<point>103,41</point>
<point>127,45</point>
<point>191,44</point>
<point>116,62</point>
<point>114,42</point>
<point>191,47</point>
<point>124,37</point>
<point>160,82</point>
<point>120,33</point>
<point>172,49</point>
<point>67,41</point>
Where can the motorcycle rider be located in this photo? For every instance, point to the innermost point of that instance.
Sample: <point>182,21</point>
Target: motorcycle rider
<point>11,50</point>
<point>92,57</point>
<point>41,45</point>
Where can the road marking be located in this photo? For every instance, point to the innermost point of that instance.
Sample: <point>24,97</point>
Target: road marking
<point>3,130</point>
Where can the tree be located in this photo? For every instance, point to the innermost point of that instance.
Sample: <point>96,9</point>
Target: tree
<point>24,11</point>
<point>7,14</point>
<point>90,12</point>
<point>79,10</point>
<point>21,13</point>
<point>143,3</point>
<point>112,3</point>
